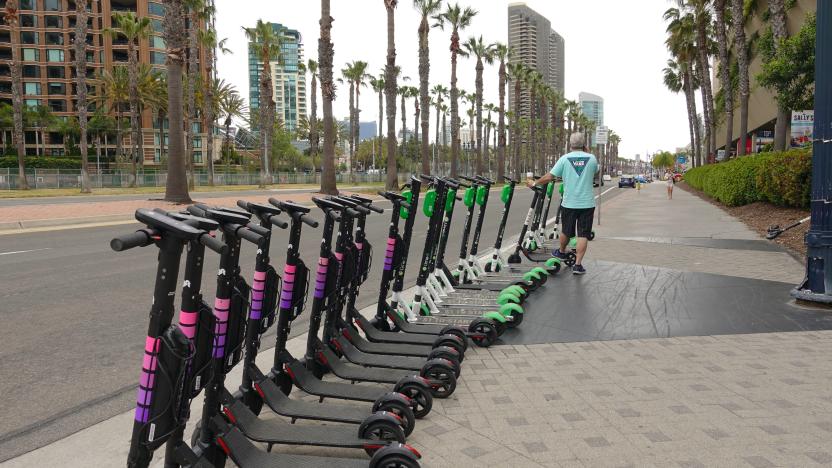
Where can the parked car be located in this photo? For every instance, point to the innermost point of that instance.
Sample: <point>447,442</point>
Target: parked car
<point>627,180</point>
<point>607,178</point>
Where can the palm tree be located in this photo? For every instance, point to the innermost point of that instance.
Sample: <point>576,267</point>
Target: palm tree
<point>502,53</point>
<point>11,19</point>
<point>392,182</point>
<point>41,118</point>
<point>81,81</point>
<point>158,102</point>
<point>133,29</point>
<point>677,78</point>
<point>347,75</point>
<point>532,82</point>
<point>312,67</point>
<point>484,53</point>
<point>517,72</point>
<point>115,84</point>
<point>404,93</point>
<point>741,51</point>
<point>780,34</point>
<point>176,188</point>
<point>268,44</point>
<point>439,92</point>
<point>195,9</point>
<point>356,74</point>
<point>232,106</point>
<point>724,72</point>
<point>210,98</point>
<point>377,84</point>
<point>325,59</point>
<point>457,19</point>
<point>681,43</point>
<point>428,9</point>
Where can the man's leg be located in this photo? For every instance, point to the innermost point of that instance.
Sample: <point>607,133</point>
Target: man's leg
<point>564,241</point>
<point>581,250</point>
<point>584,230</point>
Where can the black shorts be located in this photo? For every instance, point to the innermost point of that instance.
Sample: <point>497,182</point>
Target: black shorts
<point>577,217</point>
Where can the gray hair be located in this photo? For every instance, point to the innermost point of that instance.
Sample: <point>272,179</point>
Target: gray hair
<point>576,141</point>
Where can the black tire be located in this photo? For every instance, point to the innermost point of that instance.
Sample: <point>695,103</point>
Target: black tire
<point>458,332</point>
<point>488,267</point>
<point>570,260</point>
<point>383,325</point>
<point>395,461</point>
<point>421,397</point>
<point>591,236</point>
<point>382,430</point>
<point>517,319</point>
<point>402,411</point>
<point>486,332</point>
<point>452,358</point>
<point>443,380</point>
<point>453,342</point>
<point>501,327</point>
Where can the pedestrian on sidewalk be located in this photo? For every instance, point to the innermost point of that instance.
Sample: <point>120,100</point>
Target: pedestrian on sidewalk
<point>670,183</point>
<point>577,169</point>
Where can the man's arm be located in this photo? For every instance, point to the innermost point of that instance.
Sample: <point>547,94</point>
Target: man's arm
<point>541,181</point>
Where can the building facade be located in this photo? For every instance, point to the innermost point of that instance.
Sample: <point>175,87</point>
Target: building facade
<point>46,34</point>
<point>592,106</point>
<point>537,46</point>
<point>288,82</point>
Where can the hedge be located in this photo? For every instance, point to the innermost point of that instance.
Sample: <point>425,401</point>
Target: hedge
<point>783,179</point>
<point>41,162</point>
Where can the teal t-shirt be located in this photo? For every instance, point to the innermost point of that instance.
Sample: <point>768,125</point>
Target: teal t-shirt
<point>578,171</point>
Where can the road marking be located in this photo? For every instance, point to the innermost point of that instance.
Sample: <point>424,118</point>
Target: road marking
<point>24,251</point>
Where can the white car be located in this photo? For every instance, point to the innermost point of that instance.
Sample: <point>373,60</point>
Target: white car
<point>607,178</point>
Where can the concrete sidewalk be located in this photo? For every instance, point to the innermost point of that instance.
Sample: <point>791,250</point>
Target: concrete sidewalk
<point>733,400</point>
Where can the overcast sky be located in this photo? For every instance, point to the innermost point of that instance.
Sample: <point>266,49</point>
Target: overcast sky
<point>614,49</point>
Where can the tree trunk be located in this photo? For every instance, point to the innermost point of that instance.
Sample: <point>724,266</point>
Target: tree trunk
<point>478,86</point>
<point>176,188</point>
<point>404,126</point>
<point>17,106</point>
<point>707,93</point>
<point>266,122</point>
<point>725,74</point>
<point>390,88</point>
<point>208,114</point>
<point>740,50</point>
<point>357,129</point>
<point>160,118</point>
<point>326,54</point>
<point>133,79</point>
<point>352,127</point>
<point>436,140</point>
<point>190,111</point>
<point>501,125</point>
<point>515,140</point>
<point>444,154</point>
<point>692,117</point>
<point>532,126</point>
<point>313,119</point>
<point>424,76</point>
<point>454,106</point>
<point>81,77</point>
<point>780,32</point>
<point>380,118</point>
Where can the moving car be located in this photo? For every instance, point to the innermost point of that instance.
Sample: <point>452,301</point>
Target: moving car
<point>627,180</point>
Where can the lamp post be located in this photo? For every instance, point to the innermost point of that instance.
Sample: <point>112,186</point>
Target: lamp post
<point>817,287</point>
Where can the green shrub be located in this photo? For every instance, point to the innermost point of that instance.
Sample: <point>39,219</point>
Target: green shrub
<point>783,179</point>
<point>41,162</point>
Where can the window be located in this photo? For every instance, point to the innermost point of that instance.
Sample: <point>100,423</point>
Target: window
<point>54,55</point>
<point>157,58</point>
<point>31,102</point>
<point>5,86</point>
<point>57,89</point>
<point>31,89</point>
<point>196,128</point>
<point>31,71</point>
<point>156,126</point>
<point>157,25</point>
<point>31,55</point>
<point>55,72</point>
<point>53,21</point>
<point>156,139</point>
<point>155,9</point>
<point>197,142</point>
<point>5,37</point>
<point>28,37</point>
<point>26,4</point>
<point>52,5</point>
<point>157,42</point>
<point>157,157</point>
<point>197,156</point>
<point>57,105</point>
<point>28,21</point>
<point>53,38</point>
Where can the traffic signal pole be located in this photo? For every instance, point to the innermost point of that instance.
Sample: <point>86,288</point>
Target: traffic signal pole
<point>817,287</point>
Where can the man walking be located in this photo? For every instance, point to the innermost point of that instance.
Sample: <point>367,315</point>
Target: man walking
<point>578,170</point>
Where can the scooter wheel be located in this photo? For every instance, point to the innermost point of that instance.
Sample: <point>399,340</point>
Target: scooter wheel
<point>500,327</point>
<point>448,354</point>
<point>515,289</point>
<point>488,267</point>
<point>451,341</point>
<point>516,319</point>
<point>382,430</point>
<point>383,325</point>
<point>571,258</point>
<point>394,460</point>
<point>508,298</point>
<point>456,331</point>
<point>421,399</point>
<point>442,378</point>
<point>591,236</point>
<point>407,420</point>
<point>484,332</point>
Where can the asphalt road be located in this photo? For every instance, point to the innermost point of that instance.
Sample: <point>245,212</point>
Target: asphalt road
<point>75,316</point>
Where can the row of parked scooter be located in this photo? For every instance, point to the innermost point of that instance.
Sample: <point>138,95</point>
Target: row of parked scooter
<point>409,352</point>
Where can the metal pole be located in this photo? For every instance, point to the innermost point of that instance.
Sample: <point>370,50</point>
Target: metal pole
<point>818,283</point>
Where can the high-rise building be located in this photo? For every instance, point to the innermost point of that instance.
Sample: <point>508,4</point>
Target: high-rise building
<point>592,107</point>
<point>47,54</point>
<point>537,46</point>
<point>288,83</point>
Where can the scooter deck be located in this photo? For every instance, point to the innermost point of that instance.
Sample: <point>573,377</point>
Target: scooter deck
<point>486,286</point>
<point>349,371</point>
<point>416,328</point>
<point>356,356</point>
<point>536,256</point>
<point>374,334</point>
<point>245,454</point>
<point>298,409</point>
<point>276,431</point>
<point>306,381</point>
<point>419,351</point>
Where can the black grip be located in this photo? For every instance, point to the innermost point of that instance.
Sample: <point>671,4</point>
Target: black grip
<point>404,204</point>
<point>242,204</point>
<point>333,214</point>
<point>375,208</point>
<point>278,222</point>
<point>426,178</point>
<point>196,211</point>
<point>384,194</point>
<point>351,212</point>
<point>212,243</point>
<point>469,179</point>
<point>509,179</point>
<point>140,238</point>
<point>258,229</point>
<point>458,198</point>
<point>307,220</point>
<point>249,235</point>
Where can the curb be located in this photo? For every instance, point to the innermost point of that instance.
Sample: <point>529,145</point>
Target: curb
<point>10,227</point>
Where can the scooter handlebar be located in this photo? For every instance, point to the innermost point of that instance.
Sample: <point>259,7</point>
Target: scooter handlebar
<point>140,238</point>
<point>307,220</point>
<point>509,179</point>
<point>278,222</point>
<point>469,179</point>
<point>212,243</point>
<point>249,235</point>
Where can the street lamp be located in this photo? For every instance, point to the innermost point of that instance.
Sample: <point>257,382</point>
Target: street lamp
<point>817,287</point>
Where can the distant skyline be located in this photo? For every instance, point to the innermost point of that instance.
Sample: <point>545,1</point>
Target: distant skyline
<point>620,57</point>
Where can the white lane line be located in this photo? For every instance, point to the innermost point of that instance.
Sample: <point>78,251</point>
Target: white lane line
<point>24,251</point>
